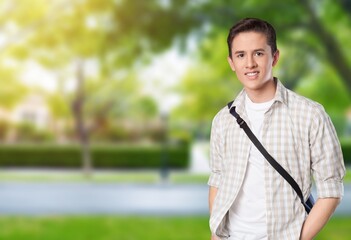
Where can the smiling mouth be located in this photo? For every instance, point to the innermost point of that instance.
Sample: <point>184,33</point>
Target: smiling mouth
<point>251,74</point>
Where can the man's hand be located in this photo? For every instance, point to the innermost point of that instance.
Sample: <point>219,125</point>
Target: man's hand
<point>214,237</point>
<point>211,196</point>
<point>318,217</point>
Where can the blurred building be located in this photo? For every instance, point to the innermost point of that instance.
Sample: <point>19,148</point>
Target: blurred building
<point>33,110</point>
<point>28,117</point>
<point>5,115</point>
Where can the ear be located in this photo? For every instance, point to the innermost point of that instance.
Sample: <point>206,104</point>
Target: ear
<point>275,58</point>
<point>231,64</point>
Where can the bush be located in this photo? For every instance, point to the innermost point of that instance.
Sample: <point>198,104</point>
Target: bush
<point>39,156</point>
<point>27,132</point>
<point>136,157</point>
<point>107,156</point>
<point>4,126</point>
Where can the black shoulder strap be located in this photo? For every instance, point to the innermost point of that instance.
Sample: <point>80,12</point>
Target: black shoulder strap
<point>264,152</point>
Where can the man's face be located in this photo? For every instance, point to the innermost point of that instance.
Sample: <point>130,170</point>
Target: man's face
<point>252,60</point>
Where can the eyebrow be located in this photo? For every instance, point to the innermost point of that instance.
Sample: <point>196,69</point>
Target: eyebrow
<point>255,50</point>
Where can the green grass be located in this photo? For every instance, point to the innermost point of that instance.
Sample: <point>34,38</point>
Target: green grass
<point>101,176</point>
<point>103,228</point>
<point>129,228</point>
<point>347,178</point>
<point>338,228</point>
<point>120,176</point>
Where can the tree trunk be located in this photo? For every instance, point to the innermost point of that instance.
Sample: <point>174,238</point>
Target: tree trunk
<point>82,132</point>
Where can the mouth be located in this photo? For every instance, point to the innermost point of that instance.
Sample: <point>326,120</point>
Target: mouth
<point>252,74</point>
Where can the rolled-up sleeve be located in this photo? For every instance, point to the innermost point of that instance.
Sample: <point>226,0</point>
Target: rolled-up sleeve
<point>327,160</point>
<point>216,154</point>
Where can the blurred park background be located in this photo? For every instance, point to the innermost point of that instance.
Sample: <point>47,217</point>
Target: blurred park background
<point>124,91</point>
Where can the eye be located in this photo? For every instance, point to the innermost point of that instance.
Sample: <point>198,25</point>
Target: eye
<point>240,55</point>
<point>259,54</point>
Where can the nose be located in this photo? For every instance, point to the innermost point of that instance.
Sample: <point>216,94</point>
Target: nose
<point>251,63</point>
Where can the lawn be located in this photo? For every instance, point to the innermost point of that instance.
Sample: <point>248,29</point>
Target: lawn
<point>347,178</point>
<point>99,176</point>
<point>103,228</point>
<point>129,228</point>
<point>138,176</point>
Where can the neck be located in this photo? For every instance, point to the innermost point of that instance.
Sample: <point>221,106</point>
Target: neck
<point>264,94</point>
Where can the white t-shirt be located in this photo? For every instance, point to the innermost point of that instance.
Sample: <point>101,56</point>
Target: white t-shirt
<point>247,216</point>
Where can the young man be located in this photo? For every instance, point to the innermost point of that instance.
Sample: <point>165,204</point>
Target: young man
<point>248,198</point>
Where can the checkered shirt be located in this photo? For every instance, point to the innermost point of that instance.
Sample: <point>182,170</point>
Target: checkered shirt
<point>299,134</point>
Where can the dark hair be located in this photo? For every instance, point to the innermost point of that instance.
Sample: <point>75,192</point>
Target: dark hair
<point>253,25</point>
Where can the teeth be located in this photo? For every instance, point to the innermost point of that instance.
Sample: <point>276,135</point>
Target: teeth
<point>251,74</point>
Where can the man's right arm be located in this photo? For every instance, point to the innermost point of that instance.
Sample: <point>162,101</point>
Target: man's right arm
<point>211,197</point>
<point>216,151</point>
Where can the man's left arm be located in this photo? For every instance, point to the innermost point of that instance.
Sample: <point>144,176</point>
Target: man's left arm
<point>318,217</point>
<point>328,171</point>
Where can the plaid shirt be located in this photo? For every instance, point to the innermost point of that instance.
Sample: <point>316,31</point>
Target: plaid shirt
<point>299,134</point>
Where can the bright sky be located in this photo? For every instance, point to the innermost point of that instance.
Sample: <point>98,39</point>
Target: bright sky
<point>36,75</point>
<point>164,73</point>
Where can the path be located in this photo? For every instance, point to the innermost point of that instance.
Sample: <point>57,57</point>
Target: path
<point>98,198</point>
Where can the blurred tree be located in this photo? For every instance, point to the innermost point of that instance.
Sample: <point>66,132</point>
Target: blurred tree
<point>121,35</point>
<point>207,85</point>
<point>311,37</point>
<point>11,89</point>
<point>332,49</point>
<point>320,22</point>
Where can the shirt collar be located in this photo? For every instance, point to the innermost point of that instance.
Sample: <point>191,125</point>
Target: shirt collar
<point>280,96</point>
<point>281,92</point>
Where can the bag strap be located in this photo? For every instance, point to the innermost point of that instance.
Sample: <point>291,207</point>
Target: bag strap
<point>264,152</point>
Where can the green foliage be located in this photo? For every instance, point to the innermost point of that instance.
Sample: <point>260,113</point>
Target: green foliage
<point>11,90</point>
<point>114,34</point>
<point>122,36</point>
<point>140,157</point>
<point>4,127</point>
<point>134,130</point>
<point>111,133</point>
<point>322,87</point>
<point>59,106</point>
<point>145,107</point>
<point>314,58</point>
<point>346,150</point>
<point>209,83</point>
<point>27,132</point>
<point>37,156</point>
<point>105,156</point>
